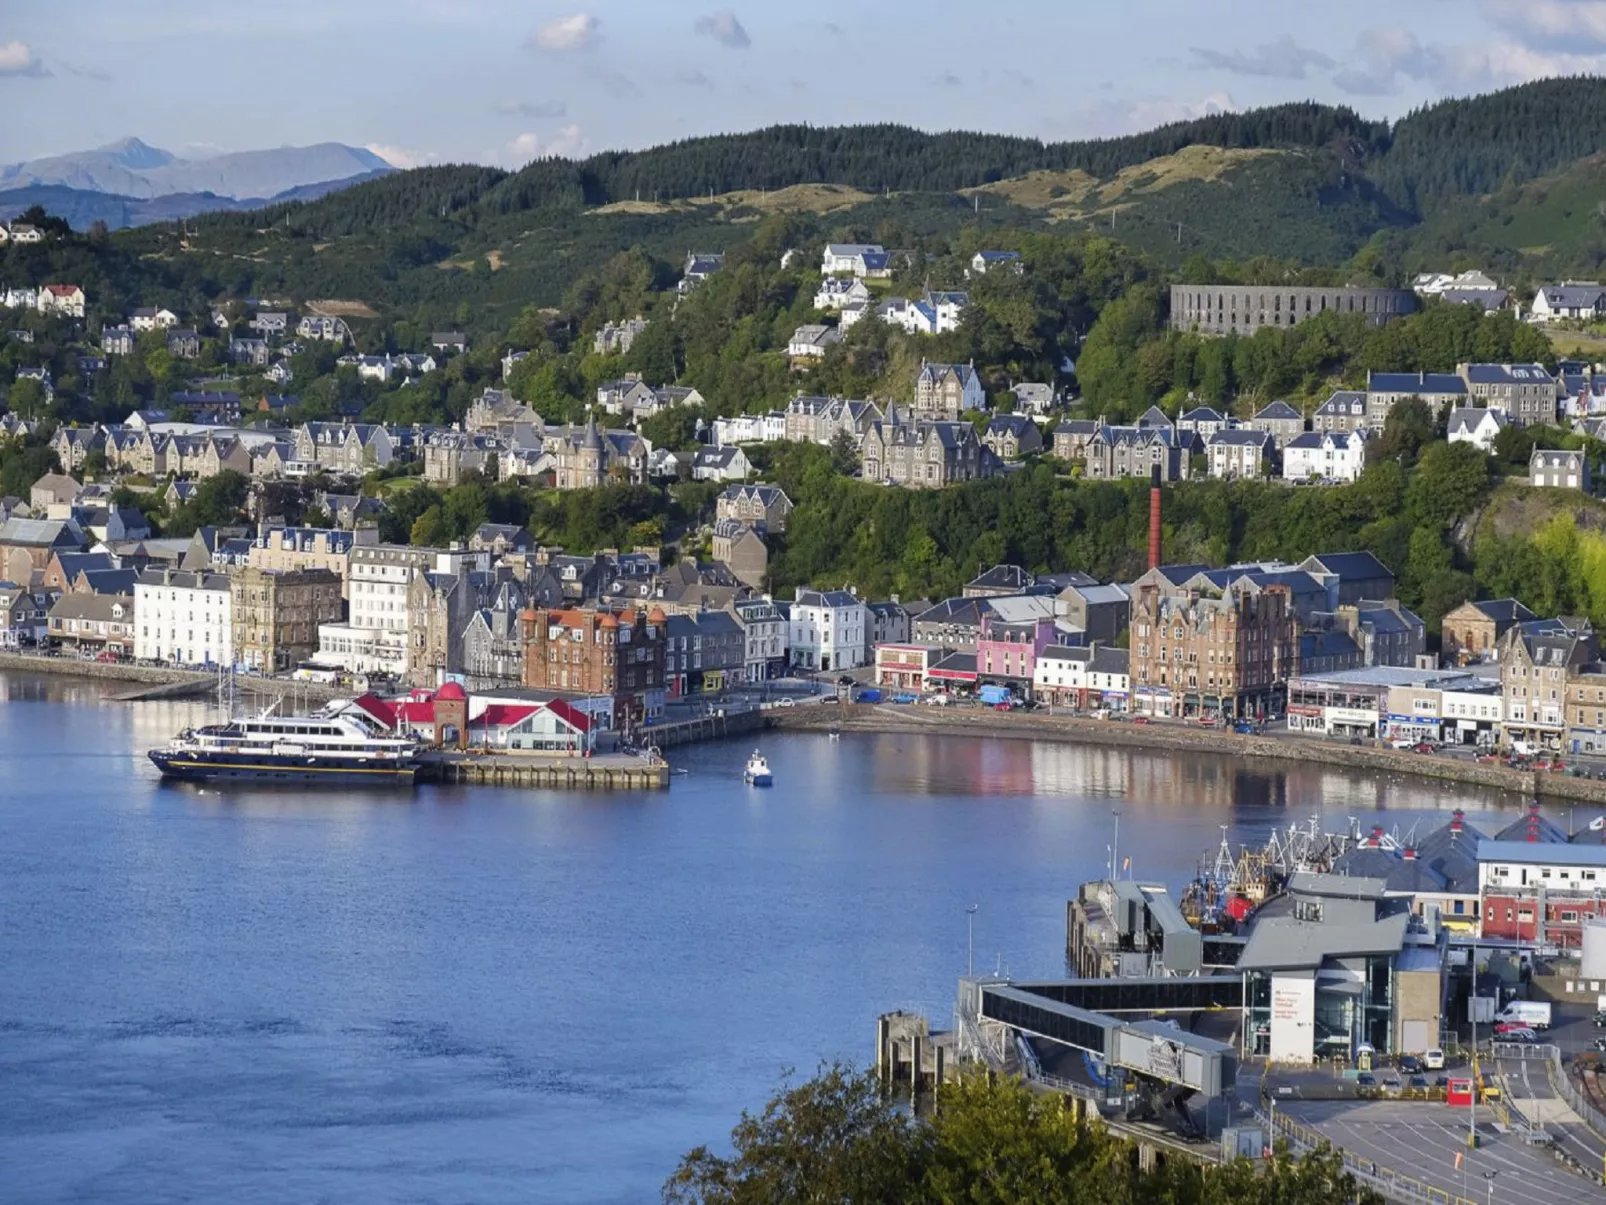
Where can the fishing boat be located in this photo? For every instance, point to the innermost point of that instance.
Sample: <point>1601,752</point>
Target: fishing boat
<point>758,773</point>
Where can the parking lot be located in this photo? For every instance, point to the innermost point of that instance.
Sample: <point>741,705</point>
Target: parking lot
<point>1422,1139</point>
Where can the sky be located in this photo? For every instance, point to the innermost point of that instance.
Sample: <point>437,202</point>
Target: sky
<point>504,81</point>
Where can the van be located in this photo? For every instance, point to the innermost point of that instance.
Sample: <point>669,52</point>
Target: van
<point>1531,1014</point>
<point>1433,1059</point>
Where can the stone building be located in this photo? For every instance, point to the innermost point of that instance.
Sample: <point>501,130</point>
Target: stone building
<point>1473,630</point>
<point>599,651</point>
<point>741,547</point>
<point>1225,653</point>
<point>276,613</point>
<point>1537,659</point>
<point>925,455</point>
<point>766,504</point>
<point>945,391</point>
<point>1243,309</point>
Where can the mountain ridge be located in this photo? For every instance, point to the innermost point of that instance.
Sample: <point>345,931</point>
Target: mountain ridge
<point>134,169</point>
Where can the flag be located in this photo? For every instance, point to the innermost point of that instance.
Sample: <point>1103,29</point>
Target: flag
<point>1459,1155</point>
<point>1126,863</point>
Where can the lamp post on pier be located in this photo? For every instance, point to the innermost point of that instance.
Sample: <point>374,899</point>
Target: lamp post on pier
<point>970,940</point>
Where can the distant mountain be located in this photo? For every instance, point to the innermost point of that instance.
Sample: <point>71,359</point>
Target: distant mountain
<point>131,168</point>
<point>81,208</point>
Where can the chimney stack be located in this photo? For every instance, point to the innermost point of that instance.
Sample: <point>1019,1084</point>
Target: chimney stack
<point>1154,517</point>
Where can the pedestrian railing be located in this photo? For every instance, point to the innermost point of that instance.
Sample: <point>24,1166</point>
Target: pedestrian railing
<point>1562,1084</point>
<point>1393,1185</point>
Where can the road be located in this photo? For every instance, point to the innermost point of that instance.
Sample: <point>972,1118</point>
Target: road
<point>1422,1139</point>
<point>1529,1092</point>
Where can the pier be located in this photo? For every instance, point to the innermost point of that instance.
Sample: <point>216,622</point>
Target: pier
<point>601,772</point>
<point>710,727</point>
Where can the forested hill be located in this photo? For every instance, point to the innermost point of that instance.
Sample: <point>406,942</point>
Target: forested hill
<point>1453,148</point>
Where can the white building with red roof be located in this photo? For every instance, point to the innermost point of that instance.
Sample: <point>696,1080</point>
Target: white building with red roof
<point>66,301</point>
<point>511,725</point>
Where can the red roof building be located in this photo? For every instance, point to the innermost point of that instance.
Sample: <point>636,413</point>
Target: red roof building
<point>544,726</point>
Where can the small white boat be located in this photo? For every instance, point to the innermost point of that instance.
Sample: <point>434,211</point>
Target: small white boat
<point>758,773</point>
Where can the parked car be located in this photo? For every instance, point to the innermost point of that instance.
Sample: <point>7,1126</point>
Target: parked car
<point>1140,719</point>
<point>1418,1083</point>
<point>1207,721</point>
<point>1244,727</point>
<point>1410,1064</point>
<point>1366,1080</point>
<point>1599,1044</point>
<point>1520,1033</point>
<point>1425,747</point>
<point>1434,1059</point>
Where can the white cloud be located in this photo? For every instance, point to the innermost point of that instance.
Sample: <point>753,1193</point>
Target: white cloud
<point>1564,26</point>
<point>725,29</point>
<point>567,143</point>
<point>574,32</point>
<point>1282,59</point>
<point>1383,56</point>
<point>1480,68</point>
<point>18,58</point>
<point>402,157</point>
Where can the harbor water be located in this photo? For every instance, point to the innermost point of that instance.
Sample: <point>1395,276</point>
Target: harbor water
<point>465,993</point>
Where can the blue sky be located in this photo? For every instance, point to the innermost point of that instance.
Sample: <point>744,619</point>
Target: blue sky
<point>502,81</point>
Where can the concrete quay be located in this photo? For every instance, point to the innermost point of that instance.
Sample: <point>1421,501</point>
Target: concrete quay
<point>1019,725</point>
<point>599,772</point>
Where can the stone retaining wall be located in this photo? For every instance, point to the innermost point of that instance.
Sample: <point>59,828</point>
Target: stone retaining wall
<point>153,675</point>
<point>1110,733</point>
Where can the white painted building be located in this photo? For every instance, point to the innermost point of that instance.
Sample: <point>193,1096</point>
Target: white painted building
<point>1325,456</point>
<point>750,429</point>
<point>183,618</point>
<point>827,630</point>
<point>1583,301</point>
<point>861,259</point>
<point>837,293</point>
<point>374,637</point>
<point>1477,426</point>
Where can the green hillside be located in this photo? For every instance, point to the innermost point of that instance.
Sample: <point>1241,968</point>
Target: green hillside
<point>1512,180</point>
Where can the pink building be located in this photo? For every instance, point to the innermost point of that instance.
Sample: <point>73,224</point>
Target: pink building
<point>1007,652</point>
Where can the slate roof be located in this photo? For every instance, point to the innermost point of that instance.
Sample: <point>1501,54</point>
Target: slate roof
<point>1279,412</point>
<point>1240,437</point>
<point>1422,383</point>
<point>1509,374</point>
<point>1465,420</point>
<point>1572,297</point>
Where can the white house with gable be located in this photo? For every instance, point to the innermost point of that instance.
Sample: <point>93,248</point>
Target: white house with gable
<point>1325,456</point>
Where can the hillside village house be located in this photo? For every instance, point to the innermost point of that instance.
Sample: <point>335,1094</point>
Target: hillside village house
<point>1203,422</point>
<point>925,455</point>
<point>812,340</point>
<point>765,631</point>
<point>1012,436</point>
<point>1553,469</point>
<point>1241,454</point>
<point>765,505</point>
<point>1476,425</point>
<point>836,293</point>
<point>1325,457</point>
<point>945,391</point>
<point>985,261</point>
<point>63,301</point>
<point>616,338</point>
<point>1568,302</point>
<point>149,318</point>
<point>1525,392</point>
<point>1342,413</point>
<point>1385,390</point>
<point>1279,420</point>
<point>750,428</point>
<point>867,261</point>
<point>827,630</point>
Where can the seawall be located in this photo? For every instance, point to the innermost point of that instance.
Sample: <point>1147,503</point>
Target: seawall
<point>1117,734</point>
<point>151,675</point>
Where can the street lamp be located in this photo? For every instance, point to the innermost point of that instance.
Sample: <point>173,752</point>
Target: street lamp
<point>1488,1179</point>
<point>970,943</point>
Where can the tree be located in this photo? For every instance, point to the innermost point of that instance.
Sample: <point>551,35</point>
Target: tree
<point>217,502</point>
<point>27,398</point>
<point>1408,427</point>
<point>836,1140</point>
<point>430,529</point>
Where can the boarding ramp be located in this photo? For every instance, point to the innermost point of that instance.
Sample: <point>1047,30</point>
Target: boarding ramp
<point>1057,1012</point>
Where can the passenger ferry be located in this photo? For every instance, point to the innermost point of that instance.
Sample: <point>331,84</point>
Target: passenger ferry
<point>326,747</point>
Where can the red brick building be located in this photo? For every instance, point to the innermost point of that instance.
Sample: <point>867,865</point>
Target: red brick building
<point>599,651</point>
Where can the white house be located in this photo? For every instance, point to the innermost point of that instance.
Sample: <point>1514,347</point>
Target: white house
<point>23,232</point>
<point>149,318</point>
<point>1082,676</point>
<point>1476,425</point>
<point>863,260</point>
<point>64,300</point>
<point>1556,303</point>
<point>1325,455</point>
<point>750,429</point>
<point>827,630</point>
<point>812,340</point>
<point>838,292</point>
<point>984,261</point>
<point>183,618</point>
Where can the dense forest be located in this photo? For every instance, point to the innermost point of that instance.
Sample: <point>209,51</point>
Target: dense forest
<point>837,1139</point>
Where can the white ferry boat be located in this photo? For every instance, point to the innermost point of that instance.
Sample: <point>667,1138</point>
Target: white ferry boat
<point>340,749</point>
<point>758,771</point>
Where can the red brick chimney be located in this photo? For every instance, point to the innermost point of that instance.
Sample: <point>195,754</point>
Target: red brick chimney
<point>1154,518</point>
